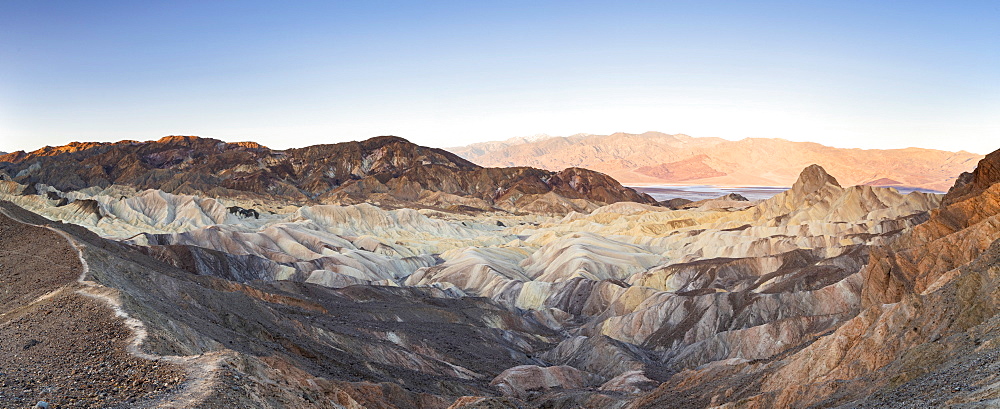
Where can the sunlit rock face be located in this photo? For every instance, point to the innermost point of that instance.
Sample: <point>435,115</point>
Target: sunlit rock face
<point>955,235</point>
<point>783,302</point>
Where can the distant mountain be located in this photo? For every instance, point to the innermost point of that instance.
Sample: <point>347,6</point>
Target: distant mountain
<point>654,157</point>
<point>387,170</point>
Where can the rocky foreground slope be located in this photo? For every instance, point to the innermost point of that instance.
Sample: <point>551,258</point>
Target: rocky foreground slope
<point>388,171</point>
<point>654,157</point>
<point>58,342</point>
<point>822,296</point>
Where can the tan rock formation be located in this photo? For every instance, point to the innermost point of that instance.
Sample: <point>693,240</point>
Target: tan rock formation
<point>520,380</point>
<point>479,402</point>
<point>629,382</point>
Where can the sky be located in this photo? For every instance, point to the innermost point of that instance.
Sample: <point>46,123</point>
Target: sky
<point>865,74</point>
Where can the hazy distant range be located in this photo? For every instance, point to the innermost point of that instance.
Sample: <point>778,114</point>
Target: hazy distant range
<point>702,192</point>
<point>696,168</point>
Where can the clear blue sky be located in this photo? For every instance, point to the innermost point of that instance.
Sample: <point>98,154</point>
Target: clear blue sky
<point>864,74</point>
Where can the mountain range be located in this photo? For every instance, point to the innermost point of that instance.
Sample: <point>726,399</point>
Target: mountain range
<point>658,158</point>
<point>382,274</point>
<point>389,171</point>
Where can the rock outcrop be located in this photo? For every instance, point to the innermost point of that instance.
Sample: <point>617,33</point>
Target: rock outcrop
<point>520,380</point>
<point>731,201</point>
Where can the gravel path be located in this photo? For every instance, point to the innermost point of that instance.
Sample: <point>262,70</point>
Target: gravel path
<point>63,339</point>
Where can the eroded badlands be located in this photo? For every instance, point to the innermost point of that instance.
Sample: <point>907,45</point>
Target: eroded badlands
<point>629,304</point>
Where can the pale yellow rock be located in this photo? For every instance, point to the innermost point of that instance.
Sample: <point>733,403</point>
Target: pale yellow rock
<point>533,294</point>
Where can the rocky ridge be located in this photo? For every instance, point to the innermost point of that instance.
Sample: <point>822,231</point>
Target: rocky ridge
<point>388,171</point>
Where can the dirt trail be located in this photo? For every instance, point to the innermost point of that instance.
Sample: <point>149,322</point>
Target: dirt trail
<point>202,372</point>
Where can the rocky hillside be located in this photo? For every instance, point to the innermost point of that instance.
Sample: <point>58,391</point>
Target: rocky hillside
<point>212,342</point>
<point>655,157</point>
<point>387,171</point>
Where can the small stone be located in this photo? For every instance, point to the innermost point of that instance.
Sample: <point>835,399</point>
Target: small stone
<point>30,344</point>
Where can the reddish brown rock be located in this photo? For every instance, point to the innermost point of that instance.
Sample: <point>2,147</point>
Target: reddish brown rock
<point>987,173</point>
<point>964,226</point>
